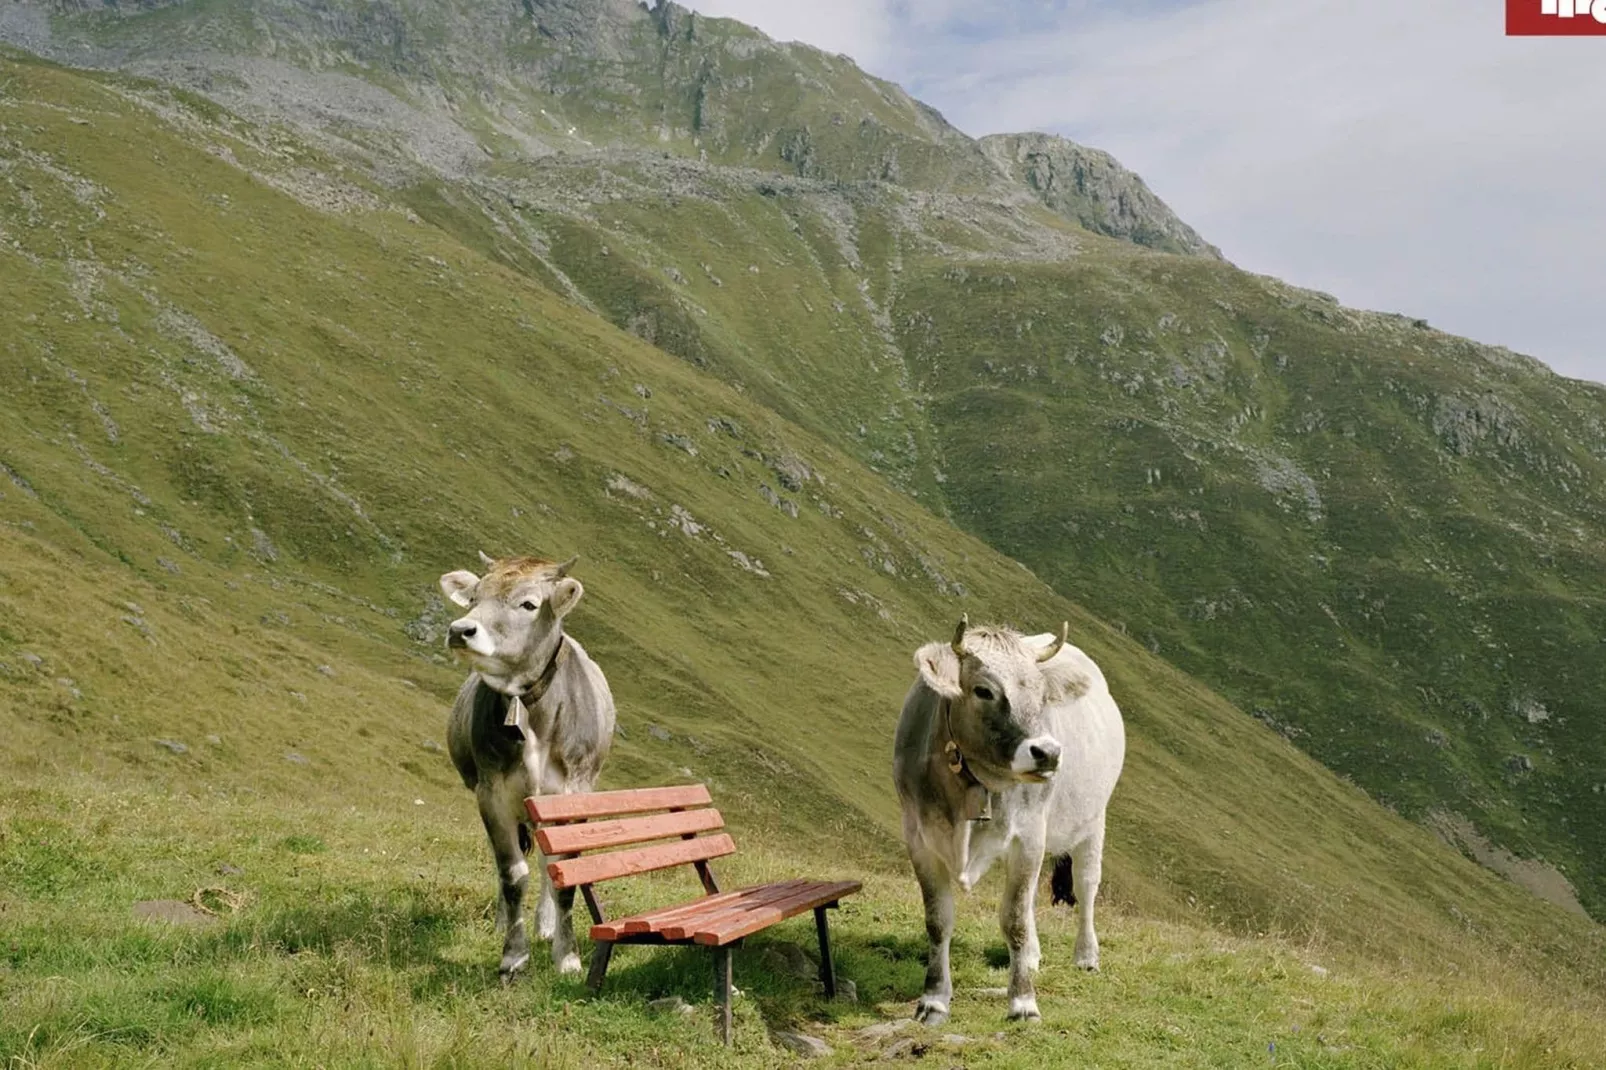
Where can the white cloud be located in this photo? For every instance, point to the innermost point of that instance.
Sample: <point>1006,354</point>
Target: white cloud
<point>1403,156</point>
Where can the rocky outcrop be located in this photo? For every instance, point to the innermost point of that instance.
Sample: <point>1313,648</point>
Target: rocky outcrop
<point>1092,189</point>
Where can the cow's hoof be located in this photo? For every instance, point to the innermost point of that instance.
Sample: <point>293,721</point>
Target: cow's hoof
<point>930,1011</point>
<point>569,963</point>
<point>512,966</point>
<point>1024,1009</point>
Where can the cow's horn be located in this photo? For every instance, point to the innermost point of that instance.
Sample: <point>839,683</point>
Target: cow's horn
<point>959,635</point>
<point>487,560</point>
<point>1049,652</point>
<point>563,569</point>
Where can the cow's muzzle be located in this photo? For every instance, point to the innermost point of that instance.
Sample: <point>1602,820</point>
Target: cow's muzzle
<point>464,635</point>
<point>1038,758</point>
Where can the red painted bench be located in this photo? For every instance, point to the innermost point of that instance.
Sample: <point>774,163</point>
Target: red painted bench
<point>580,835</point>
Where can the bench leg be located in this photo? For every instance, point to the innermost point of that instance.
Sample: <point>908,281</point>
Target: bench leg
<point>600,954</point>
<point>722,990</point>
<point>827,968</point>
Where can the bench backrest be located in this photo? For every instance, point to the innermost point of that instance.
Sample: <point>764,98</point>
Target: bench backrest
<point>570,827</point>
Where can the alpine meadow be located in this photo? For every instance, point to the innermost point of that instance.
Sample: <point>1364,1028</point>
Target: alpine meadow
<point>304,303</point>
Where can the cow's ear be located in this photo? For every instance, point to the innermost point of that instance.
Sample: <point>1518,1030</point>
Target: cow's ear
<point>456,585</point>
<point>939,668</point>
<point>1063,678</point>
<point>565,596</point>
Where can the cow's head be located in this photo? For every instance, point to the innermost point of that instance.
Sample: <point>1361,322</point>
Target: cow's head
<point>999,685</point>
<point>514,613</point>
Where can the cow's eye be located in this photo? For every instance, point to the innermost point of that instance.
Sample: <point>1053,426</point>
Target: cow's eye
<point>983,693</point>
<point>528,606</point>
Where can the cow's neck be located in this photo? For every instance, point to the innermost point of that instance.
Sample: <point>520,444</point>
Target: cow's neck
<point>524,691</point>
<point>530,688</point>
<point>978,801</point>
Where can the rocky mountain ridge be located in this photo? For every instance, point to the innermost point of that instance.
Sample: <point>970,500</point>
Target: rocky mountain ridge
<point>454,87</point>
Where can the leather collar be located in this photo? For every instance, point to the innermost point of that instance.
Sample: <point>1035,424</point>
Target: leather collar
<point>538,687</point>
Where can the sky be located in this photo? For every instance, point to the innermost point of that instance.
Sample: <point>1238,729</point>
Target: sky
<point>1403,155</point>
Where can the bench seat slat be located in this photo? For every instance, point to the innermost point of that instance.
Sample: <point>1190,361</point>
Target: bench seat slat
<point>573,839</point>
<point>602,867</point>
<point>683,926</point>
<point>733,925</point>
<point>545,808</point>
<point>654,920</point>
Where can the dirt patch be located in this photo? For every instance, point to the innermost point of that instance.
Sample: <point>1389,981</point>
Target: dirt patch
<point>1539,877</point>
<point>174,911</point>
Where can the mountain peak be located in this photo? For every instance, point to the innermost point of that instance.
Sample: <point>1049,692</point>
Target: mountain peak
<point>1093,189</point>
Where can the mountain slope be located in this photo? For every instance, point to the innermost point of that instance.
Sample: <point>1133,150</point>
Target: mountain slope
<point>269,429</point>
<point>263,405</point>
<point>1382,540</point>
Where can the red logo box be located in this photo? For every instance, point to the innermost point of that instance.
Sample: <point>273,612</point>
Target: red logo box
<point>1556,18</point>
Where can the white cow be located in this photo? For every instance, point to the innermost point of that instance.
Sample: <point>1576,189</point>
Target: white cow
<point>1008,745</point>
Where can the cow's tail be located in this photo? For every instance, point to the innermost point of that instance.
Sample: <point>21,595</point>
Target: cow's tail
<point>1059,884</point>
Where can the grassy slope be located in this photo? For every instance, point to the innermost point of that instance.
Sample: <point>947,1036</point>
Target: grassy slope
<point>1382,539</point>
<point>202,358</point>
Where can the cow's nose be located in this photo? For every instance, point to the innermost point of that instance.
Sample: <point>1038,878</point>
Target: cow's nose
<point>459,632</point>
<point>1046,753</point>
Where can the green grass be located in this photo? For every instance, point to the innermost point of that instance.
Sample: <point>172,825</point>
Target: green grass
<point>250,435</point>
<point>381,951</point>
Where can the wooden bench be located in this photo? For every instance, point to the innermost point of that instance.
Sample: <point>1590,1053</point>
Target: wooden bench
<point>569,828</point>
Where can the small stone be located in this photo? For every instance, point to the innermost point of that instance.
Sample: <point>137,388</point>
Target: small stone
<point>327,670</point>
<point>659,733</point>
<point>225,869</point>
<point>668,1005</point>
<point>801,1043</point>
<point>906,1046</point>
<point>992,993</point>
<point>418,802</point>
<point>1319,971</point>
<point>431,745</point>
<point>33,659</point>
<point>216,741</point>
<point>173,745</point>
<point>791,959</point>
<point>298,759</point>
<point>846,990</point>
<point>871,1034</point>
<point>170,566</point>
<point>955,1039</point>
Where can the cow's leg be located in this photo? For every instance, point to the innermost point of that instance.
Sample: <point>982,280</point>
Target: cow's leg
<point>503,832</point>
<point>937,890</point>
<point>1088,858</point>
<point>1023,865</point>
<point>546,907</point>
<point>565,955</point>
